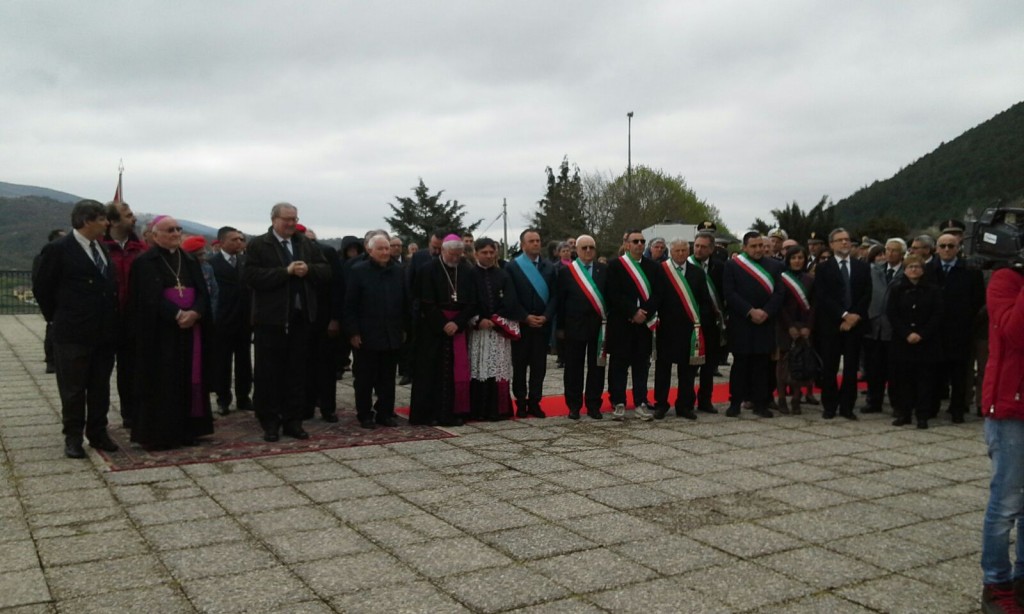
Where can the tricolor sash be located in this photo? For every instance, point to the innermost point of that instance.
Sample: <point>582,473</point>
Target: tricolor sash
<point>756,271</point>
<point>533,276</point>
<point>713,291</point>
<point>796,287</point>
<point>685,293</point>
<point>643,285</point>
<point>589,289</point>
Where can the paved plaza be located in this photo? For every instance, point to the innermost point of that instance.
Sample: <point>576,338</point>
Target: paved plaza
<point>789,515</point>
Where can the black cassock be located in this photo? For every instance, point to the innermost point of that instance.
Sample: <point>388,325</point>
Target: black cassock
<point>173,395</point>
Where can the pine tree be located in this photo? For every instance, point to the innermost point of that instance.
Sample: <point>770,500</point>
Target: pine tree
<point>415,218</point>
<point>560,213</point>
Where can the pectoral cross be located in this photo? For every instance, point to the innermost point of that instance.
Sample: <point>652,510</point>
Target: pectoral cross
<point>455,297</point>
<point>180,288</point>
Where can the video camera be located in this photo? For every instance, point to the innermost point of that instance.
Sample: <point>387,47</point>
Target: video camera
<point>996,239</point>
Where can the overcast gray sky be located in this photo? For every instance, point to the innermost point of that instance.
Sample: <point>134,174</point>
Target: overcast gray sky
<point>220,109</point>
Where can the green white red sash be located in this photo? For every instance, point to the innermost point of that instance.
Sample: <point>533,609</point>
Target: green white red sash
<point>756,271</point>
<point>713,291</point>
<point>643,285</point>
<point>685,293</point>
<point>796,287</point>
<point>589,288</point>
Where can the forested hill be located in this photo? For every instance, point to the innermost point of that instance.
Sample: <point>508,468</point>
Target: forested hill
<point>24,224</point>
<point>981,165</point>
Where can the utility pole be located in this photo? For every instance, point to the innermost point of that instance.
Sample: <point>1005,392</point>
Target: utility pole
<point>504,218</point>
<point>629,154</point>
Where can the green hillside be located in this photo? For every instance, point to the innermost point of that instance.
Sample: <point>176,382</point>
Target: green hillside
<point>980,166</point>
<point>24,224</point>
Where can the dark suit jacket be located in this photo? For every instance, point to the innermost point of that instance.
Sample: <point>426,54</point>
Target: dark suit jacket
<point>81,302</point>
<point>266,274</point>
<point>828,296</point>
<point>623,301</point>
<point>963,297</point>
<point>743,293</point>
<point>576,316</point>
<point>528,298</point>
<point>232,315</point>
<point>676,328</point>
<point>376,305</point>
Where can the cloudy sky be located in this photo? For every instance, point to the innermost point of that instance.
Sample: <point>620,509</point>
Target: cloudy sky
<point>219,109</point>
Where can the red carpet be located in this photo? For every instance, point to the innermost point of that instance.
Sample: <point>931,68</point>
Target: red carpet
<point>238,436</point>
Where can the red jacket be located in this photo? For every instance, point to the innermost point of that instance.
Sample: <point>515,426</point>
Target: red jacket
<point>122,261</point>
<point>1003,389</point>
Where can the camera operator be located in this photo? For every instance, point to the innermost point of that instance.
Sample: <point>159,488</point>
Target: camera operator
<point>1004,432</point>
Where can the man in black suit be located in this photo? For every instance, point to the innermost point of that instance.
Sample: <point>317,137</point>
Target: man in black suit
<point>714,329</point>
<point>582,311</point>
<point>284,270</point>
<point>842,295</point>
<point>77,291</point>
<point>685,313</point>
<point>534,279</point>
<point>55,234</point>
<point>232,334</point>
<point>963,298</point>
<point>632,316</point>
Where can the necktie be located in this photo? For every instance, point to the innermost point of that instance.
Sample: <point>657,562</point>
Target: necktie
<point>945,268</point>
<point>287,245</point>
<point>590,270</point>
<point>231,260</point>
<point>845,273</point>
<point>889,272</point>
<point>102,266</point>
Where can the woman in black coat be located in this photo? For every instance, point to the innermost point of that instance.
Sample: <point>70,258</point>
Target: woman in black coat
<point>795,322</point>
<point>915,312</point>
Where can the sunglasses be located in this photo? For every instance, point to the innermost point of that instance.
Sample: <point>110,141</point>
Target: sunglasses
<point>947,245</point>
<point>586,247</point>
<point>638,241</point>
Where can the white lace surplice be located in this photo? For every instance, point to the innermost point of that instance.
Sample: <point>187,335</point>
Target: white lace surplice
<point>490,355</point>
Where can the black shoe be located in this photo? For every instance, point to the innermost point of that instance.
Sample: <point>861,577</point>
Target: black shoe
<point>50,368</point>
<point>126,425</point>
<point>707,409</point>
<point>763,412</point>
<point>811,400</point>
<point>389,421</point>
<point>244,404</point>
<point>595,414</point>
<point>451,422</point>
<point>330,417</point>
<point>102,442</point>
<point>718,373</point>
<point>294,431</point>
<point>270,436</point>
<point>521,410</point>
<point>405,380</point>
<point>958,418</point>
<point>368,424</point>
<point>828,415</point>
<point>574,414</point>
<point>733,411</point>
<point>535,411</point>
<point>849,415</point>
<point>869,409</point>
<point>686,413</point>
<point>73,449</point>
<point>660,412</point>
<point>223,410</point>
<point>922,424</point>
<point>901,421</point>
<point>190,443</point>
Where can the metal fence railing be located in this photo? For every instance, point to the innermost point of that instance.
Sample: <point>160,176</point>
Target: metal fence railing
<point>16,293</point>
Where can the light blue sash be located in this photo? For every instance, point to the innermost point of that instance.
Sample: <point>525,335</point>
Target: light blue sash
<point>533,276</point>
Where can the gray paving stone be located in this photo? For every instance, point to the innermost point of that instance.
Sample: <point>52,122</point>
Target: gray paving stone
<point>217,560</point>
<point>537,541</point>
<point>171,601</point>
<point>661,596</point>
<point>409,481</point>
<point>816,526</point>
<point>937,536</point>
<point>398,599</point>
<point>860,487</point>
<point>398,532</point>
<point>372,508</point>
<point>493,517</point>
<point>561,506</point>
<point>90,547</point>
<point>23,587</point>
<point>260,499</point>
<point>821,568</point>
<point>961,574</point>
<point>358,572</point>
<point>336,490</point>
<point>613,528</point>
<point>886,550</point>
<point>582,479</point>
<point>672,554</point>
<point>142,476</point>
<point>439,558</point>
<point>264,590</point>
<point>816,605</point>
<point>180,510</point>
<point>561,606</point>
<point>759,586</point>
<point>319,472</point>
<point>633,470</point>
<point>191,534</point>
<point>744,540</point>
<point>690,487</point>
<point>56,502</point>
<point>592,570</point>
<point>503,588</point>
<point>806,496</point>
<point>18,555</point>
<point>629,496</point>
<point>926,505</point>
<point>513,485</point>
<point>898,594</point>
<point>60,483</point>
<point>97,577</point>
<point>235,482</point>
<point>299,546</point>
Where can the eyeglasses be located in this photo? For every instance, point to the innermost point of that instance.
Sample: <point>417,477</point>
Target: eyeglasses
<point>947,245</point>
<point>586,247</point>
<point>638,241</point>
<point>841,240</point>
<point>173,229</point>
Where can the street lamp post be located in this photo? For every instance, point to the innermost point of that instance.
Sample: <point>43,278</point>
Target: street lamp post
<point>629,153</point>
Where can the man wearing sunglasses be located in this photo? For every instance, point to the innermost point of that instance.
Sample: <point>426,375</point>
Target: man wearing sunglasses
<point>631,322</point>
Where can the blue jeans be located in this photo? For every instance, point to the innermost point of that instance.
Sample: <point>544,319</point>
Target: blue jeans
<point>1005,440</point>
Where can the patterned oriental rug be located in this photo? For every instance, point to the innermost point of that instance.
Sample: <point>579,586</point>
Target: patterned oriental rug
<point>238,436</point>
